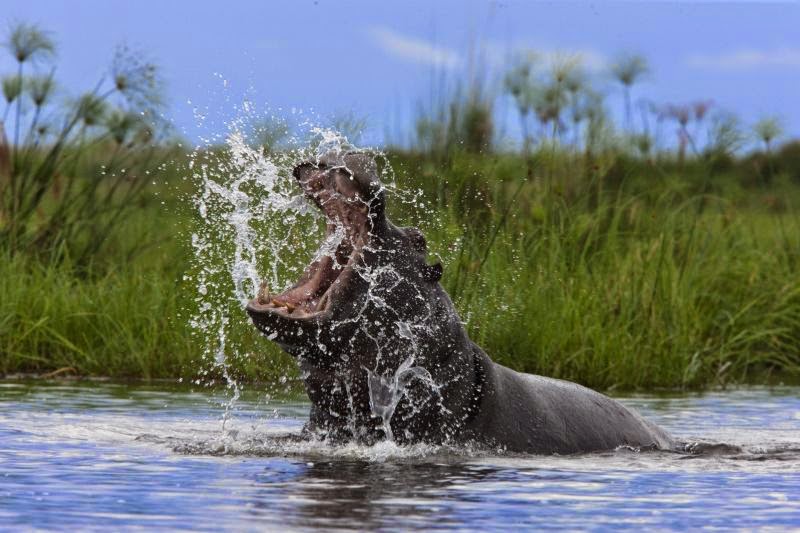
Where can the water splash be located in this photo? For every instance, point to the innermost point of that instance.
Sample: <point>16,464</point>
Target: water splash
<point>248,214</point>
<point>254,225</point>
<point>385,393</point>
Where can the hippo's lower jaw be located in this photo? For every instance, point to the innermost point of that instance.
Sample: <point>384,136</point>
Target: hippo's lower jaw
<point>310,297</point>
<point>384,353</point>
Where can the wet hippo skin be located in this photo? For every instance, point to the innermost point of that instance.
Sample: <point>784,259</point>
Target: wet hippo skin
<point>384,354</point>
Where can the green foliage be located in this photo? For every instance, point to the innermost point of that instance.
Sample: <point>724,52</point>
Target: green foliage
<point>12,88</point>
<point>629,68</point>
<point>788,161</point>
<point>28,42</point>
<point>767,129</point>
<point>632,282</point>
<point>124,317</point>
<point>71,172</point>
<point>611,260</point>
<point>40,89</point>
<point>460,119</point>
<point>127,323</point>
<point>638,288</point>
<point>121,324</point>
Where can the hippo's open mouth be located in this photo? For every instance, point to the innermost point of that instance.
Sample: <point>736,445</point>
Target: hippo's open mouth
<point>335,190</point>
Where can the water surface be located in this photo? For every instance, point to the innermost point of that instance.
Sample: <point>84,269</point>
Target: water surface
<point>100,456</point>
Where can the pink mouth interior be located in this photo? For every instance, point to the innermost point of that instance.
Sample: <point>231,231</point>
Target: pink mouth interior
<point>336,193</point>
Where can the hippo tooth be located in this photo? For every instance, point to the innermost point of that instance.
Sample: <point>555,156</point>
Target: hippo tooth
<point>263,293</point>
<point>322,302</point>
<point>289,306</point>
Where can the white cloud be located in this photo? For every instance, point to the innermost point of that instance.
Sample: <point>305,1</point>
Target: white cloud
<point>416,50</point>
<point>748,59</point>
<point>422,51</point>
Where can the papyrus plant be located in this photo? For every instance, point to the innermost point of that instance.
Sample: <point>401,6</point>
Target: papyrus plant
<point>73,166</point>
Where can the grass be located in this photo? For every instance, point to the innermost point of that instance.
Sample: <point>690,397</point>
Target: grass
<point>628,283</point>
<point>644,302</point>
<point>652,285</point>
<point>120,324</point>
<point>127,316</point>
<point>675,268</point>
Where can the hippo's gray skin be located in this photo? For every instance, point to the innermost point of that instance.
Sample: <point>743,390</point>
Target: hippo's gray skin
<point>372,318</point>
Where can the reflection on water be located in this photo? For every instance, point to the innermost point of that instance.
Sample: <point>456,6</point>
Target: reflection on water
<point>113,456</point>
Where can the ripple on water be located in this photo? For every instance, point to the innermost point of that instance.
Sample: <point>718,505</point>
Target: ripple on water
<point>110,456</point>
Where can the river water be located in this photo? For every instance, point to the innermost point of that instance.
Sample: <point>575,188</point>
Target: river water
<point>77,456</point>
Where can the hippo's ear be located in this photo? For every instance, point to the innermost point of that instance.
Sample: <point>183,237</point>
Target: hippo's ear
<point>432,273</point>
<point>362,165</point>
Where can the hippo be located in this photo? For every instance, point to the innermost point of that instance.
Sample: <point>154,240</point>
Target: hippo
<point>384,355</point>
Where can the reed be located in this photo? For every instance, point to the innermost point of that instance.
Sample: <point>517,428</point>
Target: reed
<point>606,257</point>
<point>638,288</point>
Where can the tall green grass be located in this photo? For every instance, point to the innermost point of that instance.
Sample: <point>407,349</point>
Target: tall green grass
<point>626,283</point>
<point>124,316</point>
<point>641,287</point>
<point>127,323</point>
<point>123,323</point>
<point>605,255</point>
<point>627,300</point>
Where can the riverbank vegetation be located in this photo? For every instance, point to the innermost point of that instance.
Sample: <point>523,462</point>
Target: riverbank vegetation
<point>660,252</point>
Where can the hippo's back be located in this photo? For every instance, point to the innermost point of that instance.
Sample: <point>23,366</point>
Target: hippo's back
<point>535,414</point>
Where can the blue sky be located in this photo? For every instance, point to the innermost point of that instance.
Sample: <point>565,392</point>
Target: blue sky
<point>378,58</point>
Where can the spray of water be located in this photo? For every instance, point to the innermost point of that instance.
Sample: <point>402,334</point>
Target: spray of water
<point>254,226</point>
